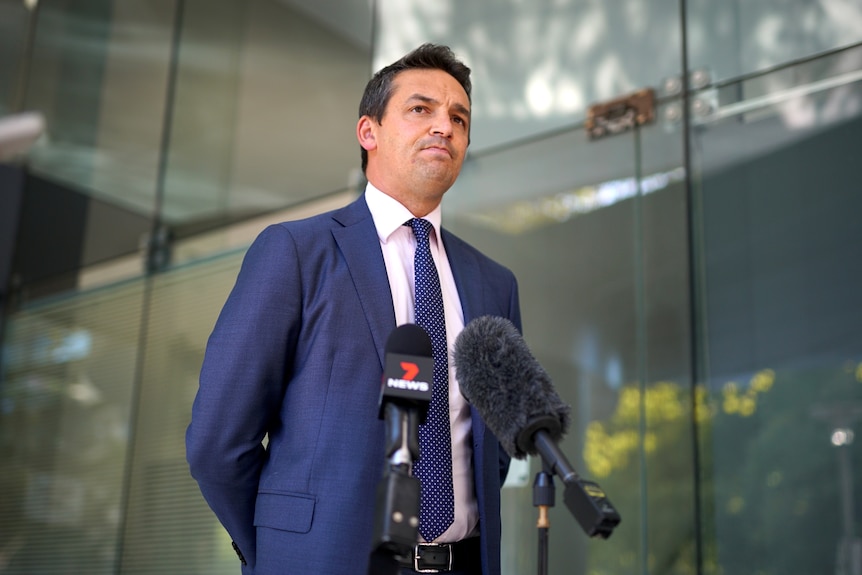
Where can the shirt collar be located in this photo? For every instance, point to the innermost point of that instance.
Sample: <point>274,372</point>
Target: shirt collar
<point>389,214</point>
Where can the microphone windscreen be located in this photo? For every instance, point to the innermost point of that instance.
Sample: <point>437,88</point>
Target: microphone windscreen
<point>499,376</point>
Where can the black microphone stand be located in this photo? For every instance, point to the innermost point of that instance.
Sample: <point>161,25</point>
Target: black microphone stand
<point>585,500</point>
<point>396,529</point>
<point>543,499</point>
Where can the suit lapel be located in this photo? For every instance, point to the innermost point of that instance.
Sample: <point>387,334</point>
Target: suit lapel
<point>358,242</point>
<point>468,280</point>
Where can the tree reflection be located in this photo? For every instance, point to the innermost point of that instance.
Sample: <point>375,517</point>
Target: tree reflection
<point>772,492</point>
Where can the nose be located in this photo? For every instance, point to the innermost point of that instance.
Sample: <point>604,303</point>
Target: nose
<point>442,125</point>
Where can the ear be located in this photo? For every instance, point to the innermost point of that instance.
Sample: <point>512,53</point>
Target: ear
<point>365,133</point>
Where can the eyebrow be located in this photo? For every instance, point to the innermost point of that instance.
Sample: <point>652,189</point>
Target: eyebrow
<point>429,100</point>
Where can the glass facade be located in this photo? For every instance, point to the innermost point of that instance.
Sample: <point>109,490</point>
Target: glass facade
<point>690,285</point>
<point>775,165</point>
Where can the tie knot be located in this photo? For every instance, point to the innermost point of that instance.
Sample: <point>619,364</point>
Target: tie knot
<point>421,229</point>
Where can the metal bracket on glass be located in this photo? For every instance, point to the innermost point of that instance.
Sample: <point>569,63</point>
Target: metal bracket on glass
<point>702,106</point>
<point>697,80</point>
<point>671,86</point>
<point>621,114</point>
<point>703,102</point>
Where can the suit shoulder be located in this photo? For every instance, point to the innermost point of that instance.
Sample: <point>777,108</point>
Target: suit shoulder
<point>455,245</point>
<point>348,215</point>
<point>304,230</point>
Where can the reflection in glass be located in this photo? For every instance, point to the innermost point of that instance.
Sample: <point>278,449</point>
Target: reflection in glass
<point>262,113</point>
<point>778,180</point>
<point>600,253</point>
<point>14,31</point>
<point>98,74</point>
<point>265,108</point>
<point>734,38</point>
<point>168,523</point>
<point>65,406</point>
<point>537,66</point>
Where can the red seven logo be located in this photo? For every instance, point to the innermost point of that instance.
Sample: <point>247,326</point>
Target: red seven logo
<point>410,370</point>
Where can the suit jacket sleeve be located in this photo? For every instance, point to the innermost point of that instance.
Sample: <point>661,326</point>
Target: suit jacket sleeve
<point>242,382</point>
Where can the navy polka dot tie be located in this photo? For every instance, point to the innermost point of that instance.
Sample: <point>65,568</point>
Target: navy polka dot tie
<point>434,466</point>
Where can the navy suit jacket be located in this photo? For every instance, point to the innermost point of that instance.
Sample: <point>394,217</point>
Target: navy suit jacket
<point>285,441</point>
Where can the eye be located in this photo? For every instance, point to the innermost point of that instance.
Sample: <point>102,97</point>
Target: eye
<point>417,109</point>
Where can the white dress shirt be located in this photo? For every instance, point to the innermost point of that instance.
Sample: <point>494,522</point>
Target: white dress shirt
<point>399,244</point>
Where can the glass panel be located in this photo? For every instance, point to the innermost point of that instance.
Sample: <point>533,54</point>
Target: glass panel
<point>733,38</point>
<point>264,102</point>
<point>538,65</point>
<point>169,523</point>
<point>65,404</point>
<point>98,74</point>
<point>14,25</point>
<point>265,109</point>
<point>778,173</point>
<point>596,233</point>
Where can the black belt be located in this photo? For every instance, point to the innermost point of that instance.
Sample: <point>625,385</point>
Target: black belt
<point>464,555</point>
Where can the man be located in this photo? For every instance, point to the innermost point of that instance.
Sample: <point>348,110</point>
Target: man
<point>297,353</point>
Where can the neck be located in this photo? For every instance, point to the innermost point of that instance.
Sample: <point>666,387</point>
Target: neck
<point>420,203</point>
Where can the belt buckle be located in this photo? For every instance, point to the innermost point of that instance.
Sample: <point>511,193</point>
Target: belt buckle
<point>416,557</point>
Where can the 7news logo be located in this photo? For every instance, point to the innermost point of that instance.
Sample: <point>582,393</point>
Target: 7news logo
<point>411,370</point>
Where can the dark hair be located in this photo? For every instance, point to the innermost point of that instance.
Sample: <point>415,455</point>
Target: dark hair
<point>378,91</point>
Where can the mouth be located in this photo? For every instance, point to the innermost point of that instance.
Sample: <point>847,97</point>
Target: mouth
<point>438,150</point>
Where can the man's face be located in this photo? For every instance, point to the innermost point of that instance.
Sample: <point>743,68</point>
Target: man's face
<point>415,153</point>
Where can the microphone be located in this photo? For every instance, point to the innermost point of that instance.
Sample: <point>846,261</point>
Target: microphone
<point>409,371</point>
<point>405,394</point>
<point>513,393</point>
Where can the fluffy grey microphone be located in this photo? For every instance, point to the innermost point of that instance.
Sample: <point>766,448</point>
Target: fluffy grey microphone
<point>499,376</point>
